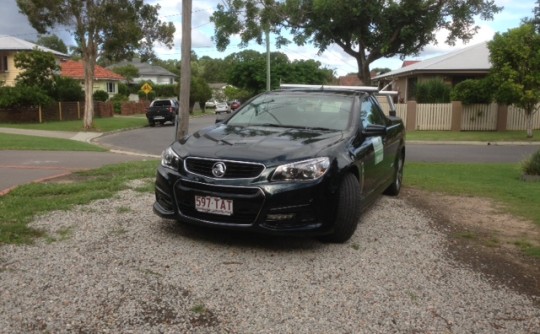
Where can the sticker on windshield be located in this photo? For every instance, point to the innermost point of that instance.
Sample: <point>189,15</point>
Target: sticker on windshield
<point>378,148</point>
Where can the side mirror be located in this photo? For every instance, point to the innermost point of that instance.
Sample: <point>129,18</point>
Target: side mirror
<point>374,130</point>
<point>392,113</point>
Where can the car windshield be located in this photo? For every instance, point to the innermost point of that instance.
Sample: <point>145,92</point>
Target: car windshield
<point>296,110</point>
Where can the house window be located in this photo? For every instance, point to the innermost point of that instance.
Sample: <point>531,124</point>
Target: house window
<point>3,63</point>
<point>111,87</point>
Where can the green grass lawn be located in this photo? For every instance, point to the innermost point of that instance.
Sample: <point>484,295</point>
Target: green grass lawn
<point>106,124</point>
<point>500,182</point>
<point>482,136</point>
<point>29,143</point>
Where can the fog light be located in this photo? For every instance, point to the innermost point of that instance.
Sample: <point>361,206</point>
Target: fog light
<point>279,217</point>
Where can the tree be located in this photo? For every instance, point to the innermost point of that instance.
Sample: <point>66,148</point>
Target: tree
<point>67,89</point>
<point>52,42</point>
<point>129,72</point>
<point>200,91</point>
<point>113,29</point>
<point>38,69</point>
<point>247,71</point>
<point>214,70</point>
<point>473,91</point>
<point>366,30</point>
<point>515,69</point>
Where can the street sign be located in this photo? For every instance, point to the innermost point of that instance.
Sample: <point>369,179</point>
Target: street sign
<point>146,88</point>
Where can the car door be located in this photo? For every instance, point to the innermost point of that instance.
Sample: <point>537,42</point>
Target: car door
<point>364,149</point>
<point>380,167</point>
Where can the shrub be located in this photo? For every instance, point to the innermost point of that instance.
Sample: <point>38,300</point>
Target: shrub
<point>123,89</point>
<point>531,166</point>
<point>22,95</point>
<point>150,96</point>
<point>432,91</point>
<point>101,95</point>
<point>472,91</point>
<point>67,89</point>
<point>117,101</point>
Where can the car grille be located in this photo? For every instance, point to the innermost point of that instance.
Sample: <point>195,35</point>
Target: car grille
<point>234,169</point>
<point>247,202</point>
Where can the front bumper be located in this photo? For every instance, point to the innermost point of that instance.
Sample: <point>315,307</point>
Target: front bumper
<point>300,208</point>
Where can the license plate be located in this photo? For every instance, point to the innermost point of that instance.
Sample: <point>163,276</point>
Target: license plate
<point>159,117</point>
<point>215,205</point>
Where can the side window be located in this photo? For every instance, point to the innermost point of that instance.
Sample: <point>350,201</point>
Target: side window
<point>110,87</point>
<point>371,113</point>
<point>3,63</point>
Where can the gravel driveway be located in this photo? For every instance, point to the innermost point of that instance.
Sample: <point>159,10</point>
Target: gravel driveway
<point>115,267</point>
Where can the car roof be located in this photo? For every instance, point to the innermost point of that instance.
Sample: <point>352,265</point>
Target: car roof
<point>329,88</point>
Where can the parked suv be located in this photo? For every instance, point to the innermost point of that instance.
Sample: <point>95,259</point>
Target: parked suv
<point>161,111</point>
<point>301,160</point>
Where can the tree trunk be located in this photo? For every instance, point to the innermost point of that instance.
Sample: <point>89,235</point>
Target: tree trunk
<point>529,117</point>
<point>364,74</point>
<point>88,119</point>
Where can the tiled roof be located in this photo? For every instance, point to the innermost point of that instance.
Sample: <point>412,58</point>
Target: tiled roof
<point>75,70</point>
<point>409,62</point>
<point>9,43</point>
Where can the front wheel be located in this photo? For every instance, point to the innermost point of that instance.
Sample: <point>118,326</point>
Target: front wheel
<point>395,187</point>
<point>348,211</point>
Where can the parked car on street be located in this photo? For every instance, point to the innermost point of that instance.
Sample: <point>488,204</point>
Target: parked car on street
<point>210,104</point>
<point>234,105</point>
<point>161,111</point>
<point>222,107</point>
<point>300,160</point>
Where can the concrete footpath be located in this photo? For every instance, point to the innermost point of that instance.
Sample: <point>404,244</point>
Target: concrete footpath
<point>22,167</point>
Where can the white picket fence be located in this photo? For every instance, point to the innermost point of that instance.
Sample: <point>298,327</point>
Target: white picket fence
<point>477,117</point>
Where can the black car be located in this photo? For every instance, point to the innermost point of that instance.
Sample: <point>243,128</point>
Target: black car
<point>302,160</point>
<point>161,111</point>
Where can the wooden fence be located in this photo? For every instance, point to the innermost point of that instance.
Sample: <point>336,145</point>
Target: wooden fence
<point>458,117</point>
<point>67,111</point>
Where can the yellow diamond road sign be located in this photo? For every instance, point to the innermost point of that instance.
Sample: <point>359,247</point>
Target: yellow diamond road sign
<point>146,88</point>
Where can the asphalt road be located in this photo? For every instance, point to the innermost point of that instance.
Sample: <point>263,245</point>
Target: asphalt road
<point>154,140</point>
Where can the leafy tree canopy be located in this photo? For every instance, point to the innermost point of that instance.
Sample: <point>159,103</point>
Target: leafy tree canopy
<point>38,69</point>
<point>129,72</point>
<point>366,30</point>
<point>52,42</point>
<point>515,70</point>
<point>112,29</point>
<point>247,71</point>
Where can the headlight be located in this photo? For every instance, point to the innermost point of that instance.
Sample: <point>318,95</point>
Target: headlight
<point>170,159</point>
<point>311,169</point>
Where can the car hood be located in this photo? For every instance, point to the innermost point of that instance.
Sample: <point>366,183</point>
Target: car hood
<point>262,144</point>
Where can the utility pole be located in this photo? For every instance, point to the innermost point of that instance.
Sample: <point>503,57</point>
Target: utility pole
<point>185,74</point>
<point>268,59</point>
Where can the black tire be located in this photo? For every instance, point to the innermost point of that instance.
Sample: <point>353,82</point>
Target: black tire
<point>152,123</point>
<point>395,187</point>
<point>347,211</point>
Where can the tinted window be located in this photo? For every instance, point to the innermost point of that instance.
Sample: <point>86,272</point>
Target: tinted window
<point>371,113</point>
<point>329,111</point>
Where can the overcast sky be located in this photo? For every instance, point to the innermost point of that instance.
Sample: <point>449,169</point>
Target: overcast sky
<point>15,24</point>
